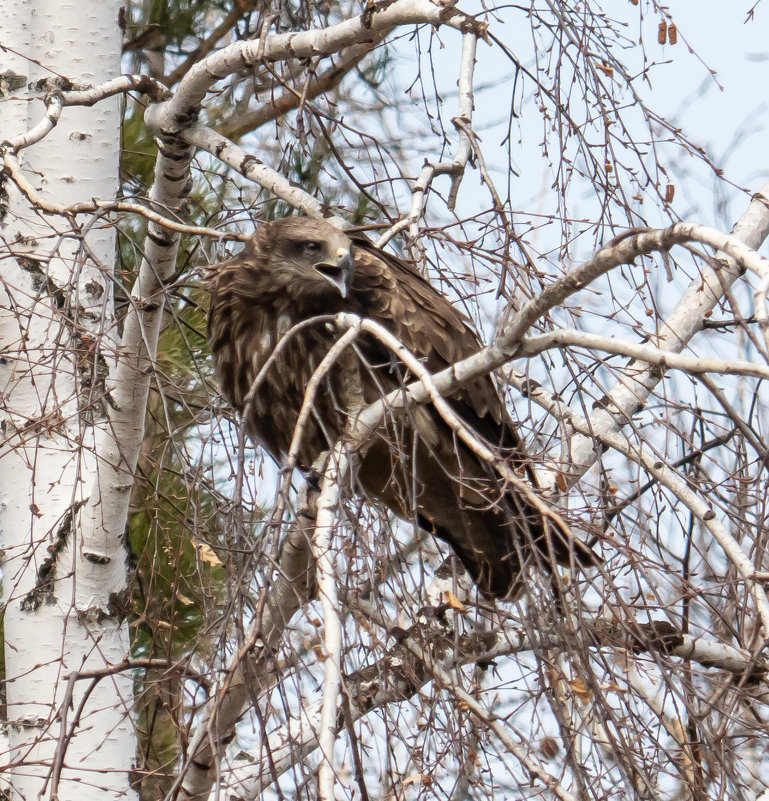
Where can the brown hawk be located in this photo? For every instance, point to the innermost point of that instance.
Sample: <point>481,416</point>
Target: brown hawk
<point>295,269</point>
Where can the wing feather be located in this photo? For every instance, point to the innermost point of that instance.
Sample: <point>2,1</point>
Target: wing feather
<point>394,294</point>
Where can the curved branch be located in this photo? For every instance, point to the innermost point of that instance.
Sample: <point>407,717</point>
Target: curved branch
<point>362,427</point>
<point>532,346</point>
<point>250,167</point>
<point>314,86</point>
<point>96,206</point>
<point>239,9</point>
<point>686,319</point>
<point>376,18</point>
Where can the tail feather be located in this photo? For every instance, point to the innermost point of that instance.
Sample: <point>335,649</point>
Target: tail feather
<point>495,546</point>
<point>495,538</point>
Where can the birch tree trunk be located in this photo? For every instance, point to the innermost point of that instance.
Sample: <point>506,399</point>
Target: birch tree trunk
<point>64,599</point>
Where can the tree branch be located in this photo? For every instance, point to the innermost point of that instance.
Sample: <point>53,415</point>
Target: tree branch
<point>670,478</point>
<point>377,17</point>
<point>533,346</point>
<point>315,85</point>
<point>328,503</point>
<point>686,319</point>
<point>407,672</point>
<point>251,168</point>
<point>456,167</point>
<point>96,206</point>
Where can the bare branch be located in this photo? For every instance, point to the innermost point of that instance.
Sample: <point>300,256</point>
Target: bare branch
<point>314,86</point>
<point>669,477</point>
<point>230,60</point>
<point>408,671</point>
<point>455,168</point>
<point>252,674</point>
<point>251,168</point>
<point>328,503</point>
<point>686,319</point>
<point>96,206</point>
<point>535,345</point>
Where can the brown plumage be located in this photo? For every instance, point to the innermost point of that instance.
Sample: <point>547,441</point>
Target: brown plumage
<point>298,268</point>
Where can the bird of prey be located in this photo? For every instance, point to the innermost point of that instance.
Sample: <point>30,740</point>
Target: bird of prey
<point>295,269</point>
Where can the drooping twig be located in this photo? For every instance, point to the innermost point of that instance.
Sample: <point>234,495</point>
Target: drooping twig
<point>253,672</point>
<point>456,167</point>
<point>668,477</point>
<point>407,673</point>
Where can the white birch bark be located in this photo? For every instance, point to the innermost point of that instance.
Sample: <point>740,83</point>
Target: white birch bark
<point>64,609</point>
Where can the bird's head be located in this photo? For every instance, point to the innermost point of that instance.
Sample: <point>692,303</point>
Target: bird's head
<point>310,257</point>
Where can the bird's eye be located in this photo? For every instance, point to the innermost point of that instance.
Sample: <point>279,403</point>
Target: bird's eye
<point>313,248</point>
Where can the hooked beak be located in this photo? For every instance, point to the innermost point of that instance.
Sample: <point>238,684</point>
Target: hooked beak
<point>339,271</point>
